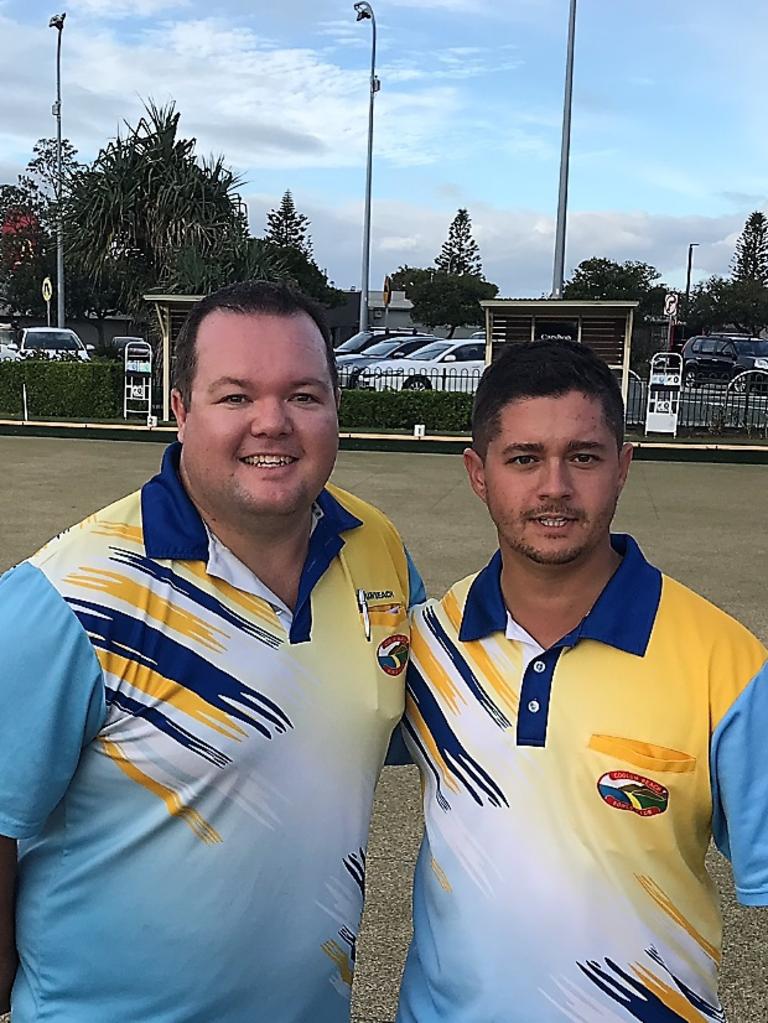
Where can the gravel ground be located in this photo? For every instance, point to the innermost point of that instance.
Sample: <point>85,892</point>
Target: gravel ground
<point>707,525</point>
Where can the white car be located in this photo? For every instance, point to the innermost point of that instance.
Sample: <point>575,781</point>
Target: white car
<point>441,366</point>
<point>53,343</point>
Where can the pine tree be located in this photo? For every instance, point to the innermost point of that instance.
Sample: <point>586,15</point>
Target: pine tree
<point>750,263</point>
<point>460,254</point>
<point>287,228</point>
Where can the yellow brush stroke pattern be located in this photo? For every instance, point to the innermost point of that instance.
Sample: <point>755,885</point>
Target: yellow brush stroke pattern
<point>143,599</point>
<point>166,691</point>
<point>335,952</point>
<point>417,721</point>
<point>664,902</point>
<point>441,875</point>
<point>433,670</point>
<point>476,652</point>
<point>201,828</point>
<point>133,533</point>
<point>671,997</point>
<point>255,606</point>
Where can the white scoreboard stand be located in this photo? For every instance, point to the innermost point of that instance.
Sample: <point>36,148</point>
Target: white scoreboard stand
<point>137,394</point>
<point>664,387</point>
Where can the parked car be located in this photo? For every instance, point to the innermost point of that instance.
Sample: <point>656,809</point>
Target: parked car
<point>53,343</point>
<point>441,366</point>
<point>9,350</point>
<point>118,344</point>
<point>722,357</point>
<point>366,338</point>
<point>350,366</point>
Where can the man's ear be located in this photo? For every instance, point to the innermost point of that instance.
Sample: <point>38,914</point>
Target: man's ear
<point>475,467</point>
<point>625,460</point>
<point>179,411</point>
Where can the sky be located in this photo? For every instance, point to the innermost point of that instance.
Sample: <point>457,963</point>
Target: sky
<point>670,118</point>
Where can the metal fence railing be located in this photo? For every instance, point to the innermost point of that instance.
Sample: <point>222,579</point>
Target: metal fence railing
<point>715,406</point>
<point>452,377</point>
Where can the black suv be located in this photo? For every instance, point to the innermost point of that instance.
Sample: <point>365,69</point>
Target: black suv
<point>722,357</point>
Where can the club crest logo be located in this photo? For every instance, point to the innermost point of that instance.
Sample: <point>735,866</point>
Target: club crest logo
<point>624,790</point>
<point>392,654</point>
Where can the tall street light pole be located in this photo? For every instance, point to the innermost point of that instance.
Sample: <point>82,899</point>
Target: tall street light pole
<point>57,22</point>
<point>558,274</point>
<point>364,13</point>
<point>691,247</point>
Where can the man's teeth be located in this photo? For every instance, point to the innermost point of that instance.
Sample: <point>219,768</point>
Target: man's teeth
<point>552,522</point>
<point>264,461</point>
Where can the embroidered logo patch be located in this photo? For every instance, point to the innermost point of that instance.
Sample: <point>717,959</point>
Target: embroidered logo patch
<point>624,790</point>
<point>392,654</point>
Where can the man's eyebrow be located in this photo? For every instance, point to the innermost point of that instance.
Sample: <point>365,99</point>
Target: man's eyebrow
<point>586,445</point>
<point>228,382</point>
<point>522,446</point>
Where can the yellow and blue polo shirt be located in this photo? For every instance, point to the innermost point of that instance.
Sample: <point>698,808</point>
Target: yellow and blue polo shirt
<point>569,804</point>
<point>189,774</point>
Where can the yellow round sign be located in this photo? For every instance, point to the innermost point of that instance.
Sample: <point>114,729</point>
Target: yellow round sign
<point>47,290</point>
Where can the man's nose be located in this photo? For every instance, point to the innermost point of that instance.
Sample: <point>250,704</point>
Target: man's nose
<point>269,418</point>
<point>555,480</point>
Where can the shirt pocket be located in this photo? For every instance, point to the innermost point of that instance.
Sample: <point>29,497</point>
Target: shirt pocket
<point>645,755</point>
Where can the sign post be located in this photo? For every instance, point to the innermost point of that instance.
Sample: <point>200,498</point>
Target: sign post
<point>47,290</point>
<point>664,387</point>
<point>387,297</point>
<point>671,304</point>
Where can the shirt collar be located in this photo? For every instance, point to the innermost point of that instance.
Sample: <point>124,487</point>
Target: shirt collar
<point>173,528</point>
<point>622,616</point>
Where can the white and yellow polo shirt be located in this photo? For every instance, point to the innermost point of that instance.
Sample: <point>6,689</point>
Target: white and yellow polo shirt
<point>190,771</point>
<point>570,797</point>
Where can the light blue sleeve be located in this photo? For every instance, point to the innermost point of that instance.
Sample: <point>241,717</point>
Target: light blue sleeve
<point>739,772</point>
<point>51,699</point>
<point>417,592</point>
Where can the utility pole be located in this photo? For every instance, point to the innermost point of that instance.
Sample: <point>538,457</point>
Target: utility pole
<point>57,22</point>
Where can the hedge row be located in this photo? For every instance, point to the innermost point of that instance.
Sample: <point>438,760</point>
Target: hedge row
<point>69,390</point>
<point>94,390</point>
<point>401,410</point>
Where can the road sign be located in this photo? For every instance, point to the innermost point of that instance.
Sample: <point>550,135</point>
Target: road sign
<point>387,293</point>
<point>671,301</point>
<point>47,289</point>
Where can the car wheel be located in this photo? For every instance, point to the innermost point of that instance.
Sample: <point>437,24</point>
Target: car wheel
<point>740,385</point>
<point>691,379</point>
<point>417,384</point>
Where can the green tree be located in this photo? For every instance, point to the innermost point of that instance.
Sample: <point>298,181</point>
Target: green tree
<point>605,279</point>
<point>145,198</point>
<point>287,228</point>
<point>449,300</point>
<point>750,262</point>
<point>721,304</point>
<point>407,278</point>
<point>460,254</point>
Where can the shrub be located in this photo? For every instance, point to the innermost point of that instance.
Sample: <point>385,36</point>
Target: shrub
<point>68,390</point>
<point>401,410</point>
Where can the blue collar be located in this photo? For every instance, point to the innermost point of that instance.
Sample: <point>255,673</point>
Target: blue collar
<point>173,530</point>
<point>622,616</point>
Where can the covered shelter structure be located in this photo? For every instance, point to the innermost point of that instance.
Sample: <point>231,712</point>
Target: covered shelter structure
<point>605,326</point>
<point>171,312</point>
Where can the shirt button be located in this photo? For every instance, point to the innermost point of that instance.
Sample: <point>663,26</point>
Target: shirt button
<point>534,706</point>
<point>539,666</point>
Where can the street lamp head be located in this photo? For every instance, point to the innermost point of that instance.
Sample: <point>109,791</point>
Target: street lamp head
<point>57,21</point>
<point>364,10</point>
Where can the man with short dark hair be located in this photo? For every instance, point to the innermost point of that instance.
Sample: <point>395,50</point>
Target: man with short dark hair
<point>583,726</point>
<point>198,688</point>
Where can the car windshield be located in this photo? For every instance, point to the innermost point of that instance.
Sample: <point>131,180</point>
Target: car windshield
<point>430,352</point>
<point>354,343</point>
<point>7,336</point>
<point>60,340</point>
<point>753,347</point>
<point>382,348</point>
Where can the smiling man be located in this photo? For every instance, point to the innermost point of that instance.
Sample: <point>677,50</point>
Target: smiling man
<point>197,693</point>
<point>583,725</point>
